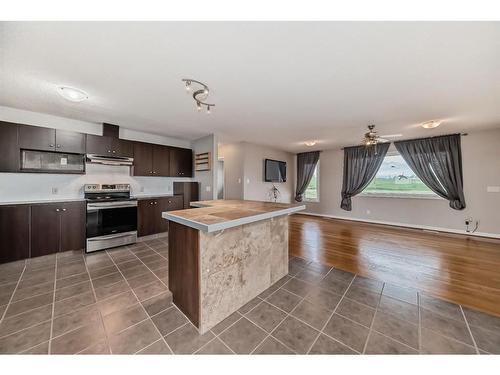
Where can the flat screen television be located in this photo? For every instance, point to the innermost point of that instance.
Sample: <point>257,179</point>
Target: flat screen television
<point>274,171</point>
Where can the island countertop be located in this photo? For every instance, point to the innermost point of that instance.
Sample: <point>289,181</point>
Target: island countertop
<point>215,215</point>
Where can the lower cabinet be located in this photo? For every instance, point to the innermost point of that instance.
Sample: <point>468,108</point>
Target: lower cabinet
<point>14,233</point>
<point>149,214</point>
<point>57,227</point>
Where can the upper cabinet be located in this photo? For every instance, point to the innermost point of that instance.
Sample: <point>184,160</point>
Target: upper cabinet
<point>151,160</point>
<point>9,148</point>
<point>37,138</point>
<point>181,162</point>
<point>46,139</point>
<point>103,145</point>
<point>71,142</point>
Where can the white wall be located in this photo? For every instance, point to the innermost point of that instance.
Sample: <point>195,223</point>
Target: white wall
<point>244,172</point>
<point>31,186</point>
<point>481,168</point>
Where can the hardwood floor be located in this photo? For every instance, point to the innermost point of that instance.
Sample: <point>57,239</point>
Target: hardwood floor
<point>456,268</point>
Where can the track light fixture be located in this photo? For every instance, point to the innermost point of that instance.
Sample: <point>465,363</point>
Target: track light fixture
<point>199,95</point>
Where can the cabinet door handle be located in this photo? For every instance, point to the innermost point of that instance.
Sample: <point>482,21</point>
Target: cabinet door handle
<point>51,145</point>
<point>150,202</point>
<point>57,210</point>
<point>156,202</point>
<point>154,172</point>
<point>64,209</point>
<point>114,151</point>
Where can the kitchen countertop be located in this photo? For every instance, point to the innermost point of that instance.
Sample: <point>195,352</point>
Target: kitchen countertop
<point>215,215</point>
<point>147,196</point>
<point>41,201</point>
<point>81,199</point>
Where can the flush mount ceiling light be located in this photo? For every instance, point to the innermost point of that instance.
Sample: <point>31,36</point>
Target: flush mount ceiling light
<point>200,93</point>
<point>310,143</point>
<point>72,94</point>
<point>431,124</point>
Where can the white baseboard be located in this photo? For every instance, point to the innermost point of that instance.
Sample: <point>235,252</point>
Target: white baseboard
<point>415,226</point>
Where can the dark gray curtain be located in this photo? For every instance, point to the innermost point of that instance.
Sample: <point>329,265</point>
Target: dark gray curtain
<point>437,162</point>
<point>306,162</point>
<point>361,164</point>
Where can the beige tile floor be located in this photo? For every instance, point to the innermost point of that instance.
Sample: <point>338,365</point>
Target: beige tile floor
<point>118,302</point>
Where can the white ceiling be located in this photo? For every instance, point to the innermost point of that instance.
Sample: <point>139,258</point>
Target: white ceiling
<point>274,83</point>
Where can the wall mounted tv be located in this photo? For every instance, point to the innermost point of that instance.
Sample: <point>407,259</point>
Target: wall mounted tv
<point>274,171</point>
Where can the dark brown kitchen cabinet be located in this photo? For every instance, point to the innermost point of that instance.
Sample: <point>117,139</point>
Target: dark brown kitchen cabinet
<point>181,162</point>
<point>149,214</point>
<point>143,159</point>
<point>9,148</point>
<point>57,227</point>
<point>151,160</point>
<point>109,146</point>
<point>45,229</point>
<point>46,139</point>
<point>37,138</point>
<point>190,192</point>
<point>68,141</point>
<point>146,221</point>
<point>161,161</point>
<point>14,233</point>
<point>73,224</point>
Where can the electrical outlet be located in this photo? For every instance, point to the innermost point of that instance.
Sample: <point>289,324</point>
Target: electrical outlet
<point>468,221</point>
<point>55,190</point>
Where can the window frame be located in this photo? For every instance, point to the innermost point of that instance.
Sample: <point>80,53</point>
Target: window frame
<point>316,200</point>
<point>366,194</point>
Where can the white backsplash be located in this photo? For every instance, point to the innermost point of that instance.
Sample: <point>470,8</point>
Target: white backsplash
<point>40,186</point>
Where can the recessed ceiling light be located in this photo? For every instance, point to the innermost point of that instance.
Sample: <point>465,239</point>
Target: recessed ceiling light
<point>310,143</point>
<point>431,124</point>
<point>72,94</point>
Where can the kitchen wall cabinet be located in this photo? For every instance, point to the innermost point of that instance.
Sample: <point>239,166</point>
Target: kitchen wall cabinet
<point>181,162</point>
<point>9,147</point>
<point>47,139</point>
<point>14,233</point>
<point>190,191</point>
<point>102,145</point>
<point>151,160</point>
<point>149,211</point>
<point>57,227</point>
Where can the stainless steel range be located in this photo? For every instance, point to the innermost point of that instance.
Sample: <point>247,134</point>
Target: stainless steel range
<point>111,216</point>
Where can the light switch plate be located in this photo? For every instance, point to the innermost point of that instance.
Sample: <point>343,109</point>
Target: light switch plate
<point>493,189</point>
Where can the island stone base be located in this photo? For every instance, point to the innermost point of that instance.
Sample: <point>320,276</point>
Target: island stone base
<point>238,264</point>
<point>213,274</point>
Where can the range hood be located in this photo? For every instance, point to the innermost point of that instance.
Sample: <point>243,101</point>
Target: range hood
<point>109,160</point>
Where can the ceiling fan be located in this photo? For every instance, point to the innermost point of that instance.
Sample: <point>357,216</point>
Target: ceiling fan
<point>372,138</point>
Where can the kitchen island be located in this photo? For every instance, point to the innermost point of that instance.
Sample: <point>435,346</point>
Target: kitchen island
<point>225,253</point>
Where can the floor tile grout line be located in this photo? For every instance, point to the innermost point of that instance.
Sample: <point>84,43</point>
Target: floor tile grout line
<point>469,330</point>
<point>154,342</point>
<point>321,331</point>
<point>53,308</point>
<point>96,302</point>
<point>12,296</point>
<point>156,328</point>
<point>373,320</point>
<point>288,314</point>
<point>166,285</point>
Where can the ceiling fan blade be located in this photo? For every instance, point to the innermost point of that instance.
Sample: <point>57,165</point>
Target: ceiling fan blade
<point>391,135</point>
<point>382,140</point>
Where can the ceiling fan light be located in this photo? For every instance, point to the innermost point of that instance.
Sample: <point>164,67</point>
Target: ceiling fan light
<point>310,143</point>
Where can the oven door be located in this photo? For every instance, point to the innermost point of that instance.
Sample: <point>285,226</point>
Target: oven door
<point>108,218</point>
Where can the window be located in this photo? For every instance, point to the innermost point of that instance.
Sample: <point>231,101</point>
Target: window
<point>396,179</point>
<point>312,190</point>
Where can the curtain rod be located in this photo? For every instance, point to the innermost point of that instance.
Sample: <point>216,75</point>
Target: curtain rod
<point>414,139</point>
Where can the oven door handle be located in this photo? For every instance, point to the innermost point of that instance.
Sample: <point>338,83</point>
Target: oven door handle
<point>110,237</point>
<point>105,206</point>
